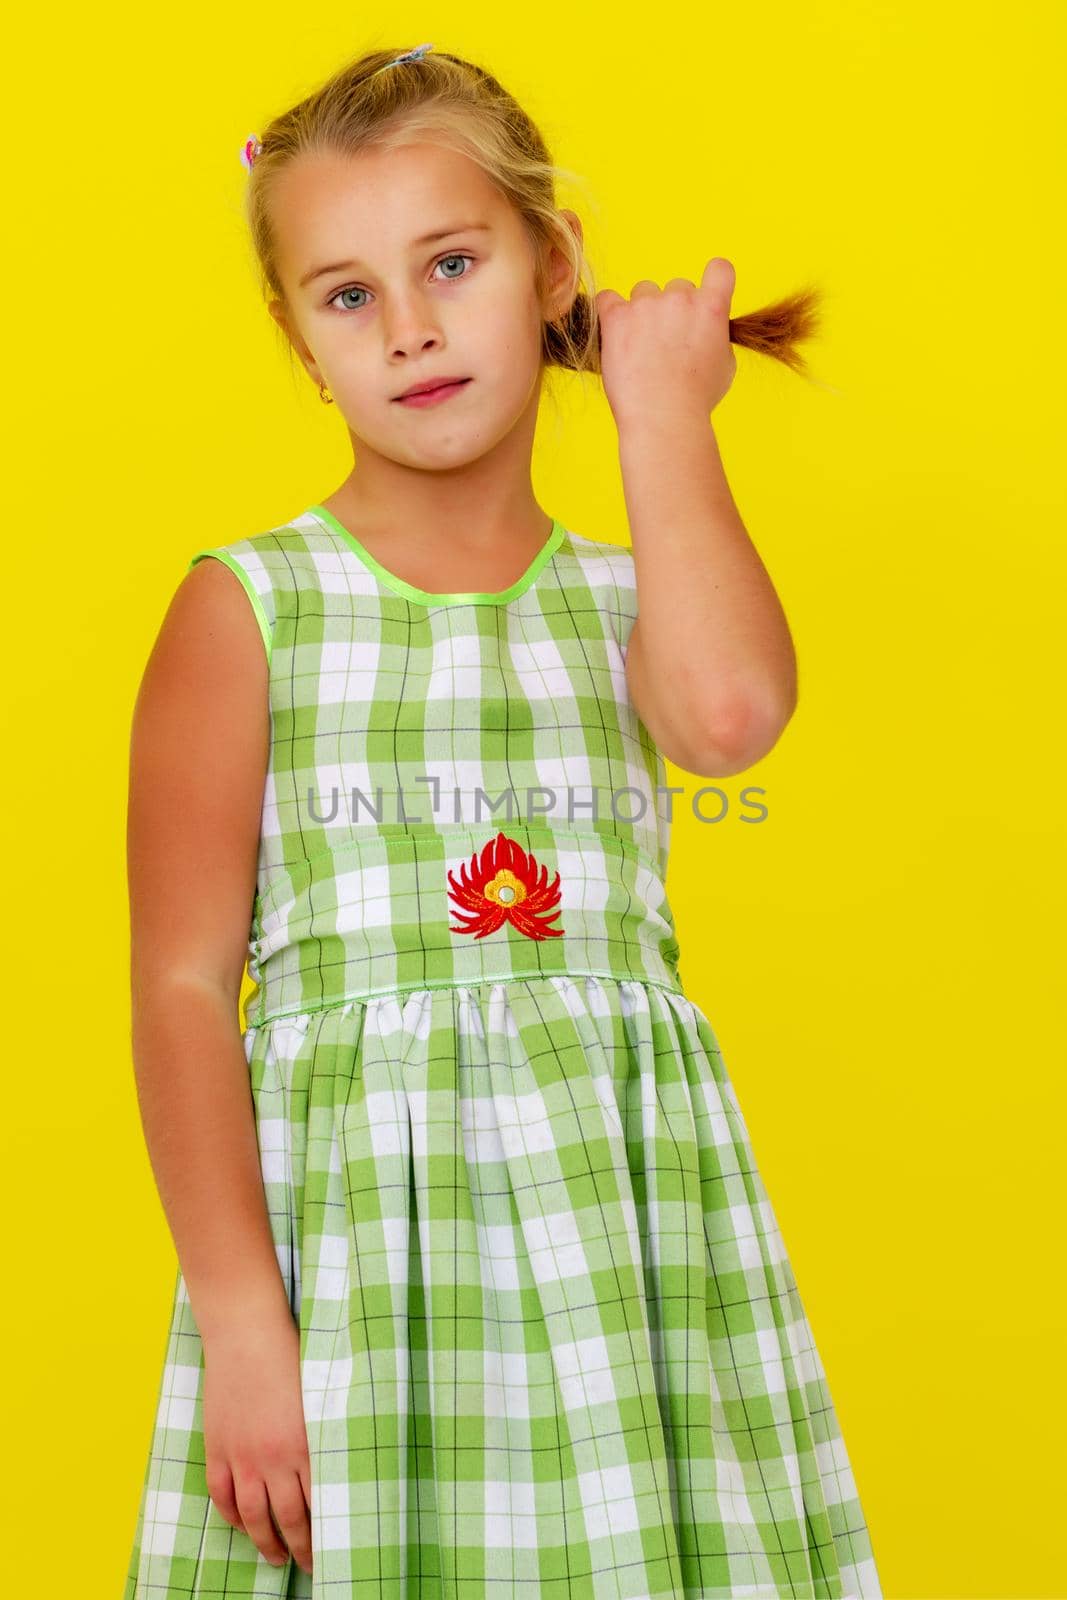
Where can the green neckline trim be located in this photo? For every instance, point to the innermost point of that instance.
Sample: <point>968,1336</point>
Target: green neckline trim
<point>425,596</point>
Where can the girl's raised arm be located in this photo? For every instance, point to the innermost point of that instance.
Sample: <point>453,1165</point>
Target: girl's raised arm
<point>198,754</point>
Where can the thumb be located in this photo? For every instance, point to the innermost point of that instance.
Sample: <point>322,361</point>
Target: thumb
<point>718,283</point>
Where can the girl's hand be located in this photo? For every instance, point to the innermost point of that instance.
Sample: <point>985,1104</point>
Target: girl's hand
<point>255,1438</point>
<point>668,352</point>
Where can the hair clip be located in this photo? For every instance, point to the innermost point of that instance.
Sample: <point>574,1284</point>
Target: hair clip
<point>252,146</point>
<point>409,55</point>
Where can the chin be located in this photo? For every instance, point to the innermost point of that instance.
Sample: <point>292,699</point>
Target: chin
<point>453,449</point>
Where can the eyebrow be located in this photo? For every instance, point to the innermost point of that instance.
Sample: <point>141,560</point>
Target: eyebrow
<point>427,238</point>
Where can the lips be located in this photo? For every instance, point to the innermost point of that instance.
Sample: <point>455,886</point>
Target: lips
<point>432,388</point>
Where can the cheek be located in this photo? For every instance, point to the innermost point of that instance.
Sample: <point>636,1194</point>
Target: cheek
<point>509,312</point>
<point>508,334</point>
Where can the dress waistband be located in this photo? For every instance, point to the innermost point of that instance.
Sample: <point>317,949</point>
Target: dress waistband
<point>453,906</point>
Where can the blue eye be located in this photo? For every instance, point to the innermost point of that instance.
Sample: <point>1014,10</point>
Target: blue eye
<point>455,258</point>
<point>355,289</point>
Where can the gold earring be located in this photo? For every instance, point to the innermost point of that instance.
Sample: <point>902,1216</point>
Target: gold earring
<point>327,399</point>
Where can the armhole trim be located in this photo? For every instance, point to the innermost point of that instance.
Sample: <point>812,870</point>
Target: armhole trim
<point>249,589</point>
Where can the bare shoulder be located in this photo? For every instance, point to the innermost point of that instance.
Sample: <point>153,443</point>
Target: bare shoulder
<point>198,755</point>
<point>209,617</point>
<point>206,677</point>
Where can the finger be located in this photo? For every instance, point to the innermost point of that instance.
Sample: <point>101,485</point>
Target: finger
<point>220,1488</point>
<point>606,298</point>
<point>255,1514</point>
<point>291,1514</point>
<point>718,283</point>
<point>680,283</point>
<point>641,290</point>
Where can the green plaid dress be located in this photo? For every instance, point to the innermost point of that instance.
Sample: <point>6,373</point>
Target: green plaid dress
<point>551,1345</point>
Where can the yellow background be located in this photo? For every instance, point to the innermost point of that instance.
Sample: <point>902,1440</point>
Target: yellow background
<point>877,957</point>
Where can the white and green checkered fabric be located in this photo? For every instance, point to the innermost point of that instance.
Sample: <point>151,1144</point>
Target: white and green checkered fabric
<point>551,1344</point>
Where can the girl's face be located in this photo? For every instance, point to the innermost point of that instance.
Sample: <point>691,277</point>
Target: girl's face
<point>405,266</point>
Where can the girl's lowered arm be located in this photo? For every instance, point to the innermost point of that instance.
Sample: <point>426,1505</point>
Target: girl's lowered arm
<point>198,754</point>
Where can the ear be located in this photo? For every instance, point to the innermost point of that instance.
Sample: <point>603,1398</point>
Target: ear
<point>278,311</point>
<point>561,288</point>
<point>574,222</point>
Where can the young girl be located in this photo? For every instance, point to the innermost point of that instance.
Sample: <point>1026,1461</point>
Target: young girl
<point>480,1292</point>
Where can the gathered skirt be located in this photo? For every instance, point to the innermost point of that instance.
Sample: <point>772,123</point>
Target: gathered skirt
<point>550,1342</point>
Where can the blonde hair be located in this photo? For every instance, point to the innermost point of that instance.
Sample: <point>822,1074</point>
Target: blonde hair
<point>449,100</point>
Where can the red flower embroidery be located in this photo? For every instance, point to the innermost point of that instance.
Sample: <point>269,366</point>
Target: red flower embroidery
<point>503,886</point>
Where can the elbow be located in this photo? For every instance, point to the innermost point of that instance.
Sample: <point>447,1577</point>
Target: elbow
<point>740,735</point>
<point>755,729</point>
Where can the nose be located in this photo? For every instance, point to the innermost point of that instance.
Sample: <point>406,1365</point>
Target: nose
<point>410,326</point>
